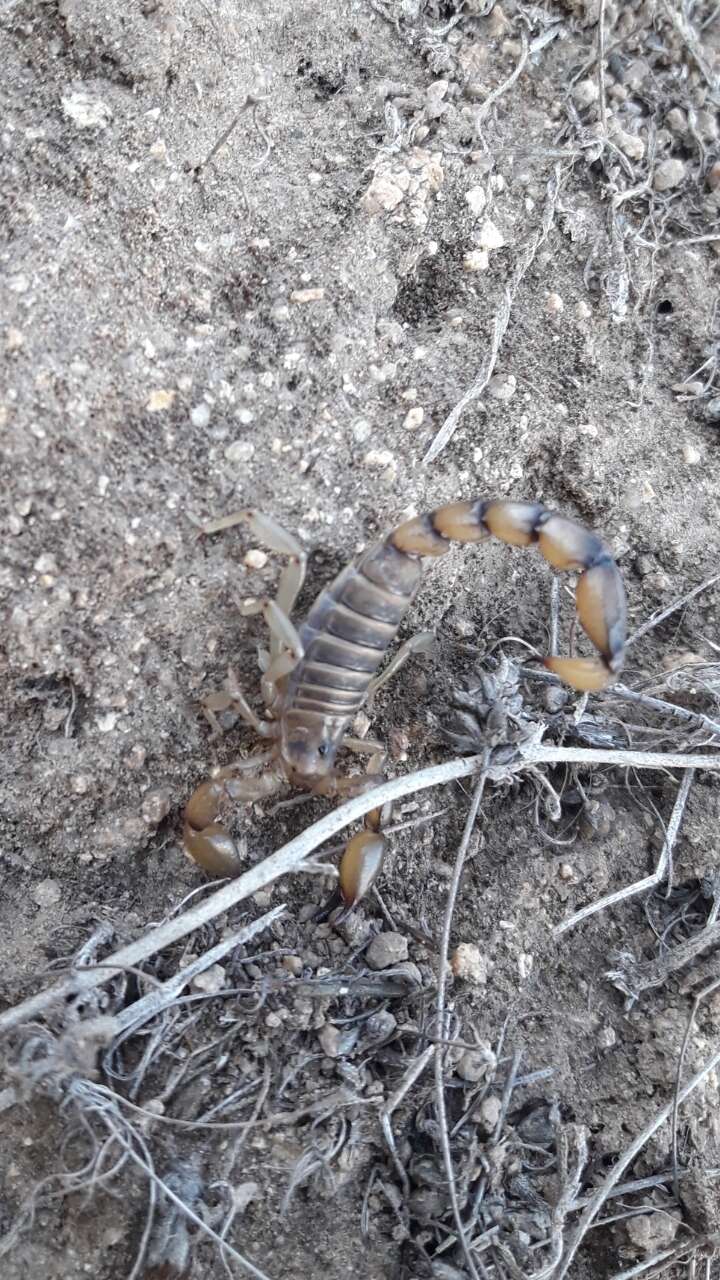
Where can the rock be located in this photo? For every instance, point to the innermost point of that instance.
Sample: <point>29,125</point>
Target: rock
<point>155,806</point>
<point>293,965</point>
<point>200,415</point>
<point>414,418</point>
<point>502,387</point>
<point>712,409</point>
<point>47,893</point>
<point>652,1232</point>
<point>669,174</point>
<point>307,295</point>
<point>475,1064</point>
<point>239,451</point>
<point>468,963</point>
<point>255,559</point>
<point>490,236</point>
<point>210,981</point>
<point>476,260</point>
<point>387,949</point>
<point>476,200</point>
<point>86,111</point>
<point>586,92</point>
<point>488,1113</point>
<point>554,304</point>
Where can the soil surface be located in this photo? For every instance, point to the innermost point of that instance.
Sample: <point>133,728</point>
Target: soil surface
<point>254,256</point>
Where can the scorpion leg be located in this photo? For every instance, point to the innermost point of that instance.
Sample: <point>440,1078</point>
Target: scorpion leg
<point>206,840</point>
<point>364,853</point>
<point>421,643</point>
<point>285,653</point>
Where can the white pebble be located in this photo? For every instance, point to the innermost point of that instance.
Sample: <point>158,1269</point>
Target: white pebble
<point>554,304</point>
<point>525,965</point>
<point>490,236</point>
<point>307,295</point>
<point>669,174</point>
<point>362,430</point>
<point>414,417</point>
<point>476,260</point>
<point>586,92</point>
<point>382,194</point>
<point>200,415</point>
<point>210,981</point>
<point>583,310</point>
<point>691,455</point>
<point>86,111</point>
<point>503,386</point>
<point>377,458</point>
<point>255,559</point>
<point>468,962</point>
<point>159,400</point>
<point>239,451</point>
<point>47,893</point>
<point>476,200</point>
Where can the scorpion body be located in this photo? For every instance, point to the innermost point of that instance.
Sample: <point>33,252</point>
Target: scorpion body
<point>317,678</point>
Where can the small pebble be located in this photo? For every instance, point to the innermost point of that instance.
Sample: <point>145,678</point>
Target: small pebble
<point>468,962</point>
<point>307,295</point>
<point>712,179</point>
<point>503,386</point>
<point>566,871</point>
<point>586,92</point>
<point>47,893</point>
<point>475,1064</point>
<point>293,965</point>
<point>652,1232</point>
<point>155,806</point>
<point>582,310</point>
<point>337,1041</point>
<point>160,400</point>
<point>239,451</point>
<point>712,409</point>
<point>414,418</point>
<point>387,949</point>
<point>362,430</point>
<point>210,981</point>
<point>607,1038</point>
<point>255,559</point>
<point>688,388</point>
<point>691,455</point>
<point>46,563</point>
<point>14,339</point>
<point>554,304</point>
<point>676,120</point>
<point>490,236</point>
<point>476,200</point>
<point>669,174</point>
<point>200,415</point>
<point>488,1113</point>
<point>378,458</point>
<point>476,260</point>
<point>86,111</point>
<point>525,965</point>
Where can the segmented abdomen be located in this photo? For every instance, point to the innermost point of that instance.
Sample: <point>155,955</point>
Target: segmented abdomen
<point>348,630</point>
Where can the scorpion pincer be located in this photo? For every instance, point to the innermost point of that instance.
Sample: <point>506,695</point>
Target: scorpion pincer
<point>317,678</point>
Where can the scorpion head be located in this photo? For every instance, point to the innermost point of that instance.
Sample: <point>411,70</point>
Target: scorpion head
<point>308,747</point>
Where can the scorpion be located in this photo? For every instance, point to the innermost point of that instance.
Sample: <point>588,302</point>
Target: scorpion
<point>316,678</point>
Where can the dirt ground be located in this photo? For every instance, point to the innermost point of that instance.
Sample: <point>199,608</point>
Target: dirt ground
<point>255,255</point>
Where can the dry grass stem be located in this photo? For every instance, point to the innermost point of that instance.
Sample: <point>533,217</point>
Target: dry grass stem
<point>657,618</point>
<point>440,1014</point>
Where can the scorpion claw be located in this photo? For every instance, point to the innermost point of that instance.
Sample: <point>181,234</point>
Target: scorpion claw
<point>588,675</point>
<point>213,849</point>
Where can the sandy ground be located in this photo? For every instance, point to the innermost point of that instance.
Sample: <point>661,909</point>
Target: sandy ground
<point>411,200</point>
